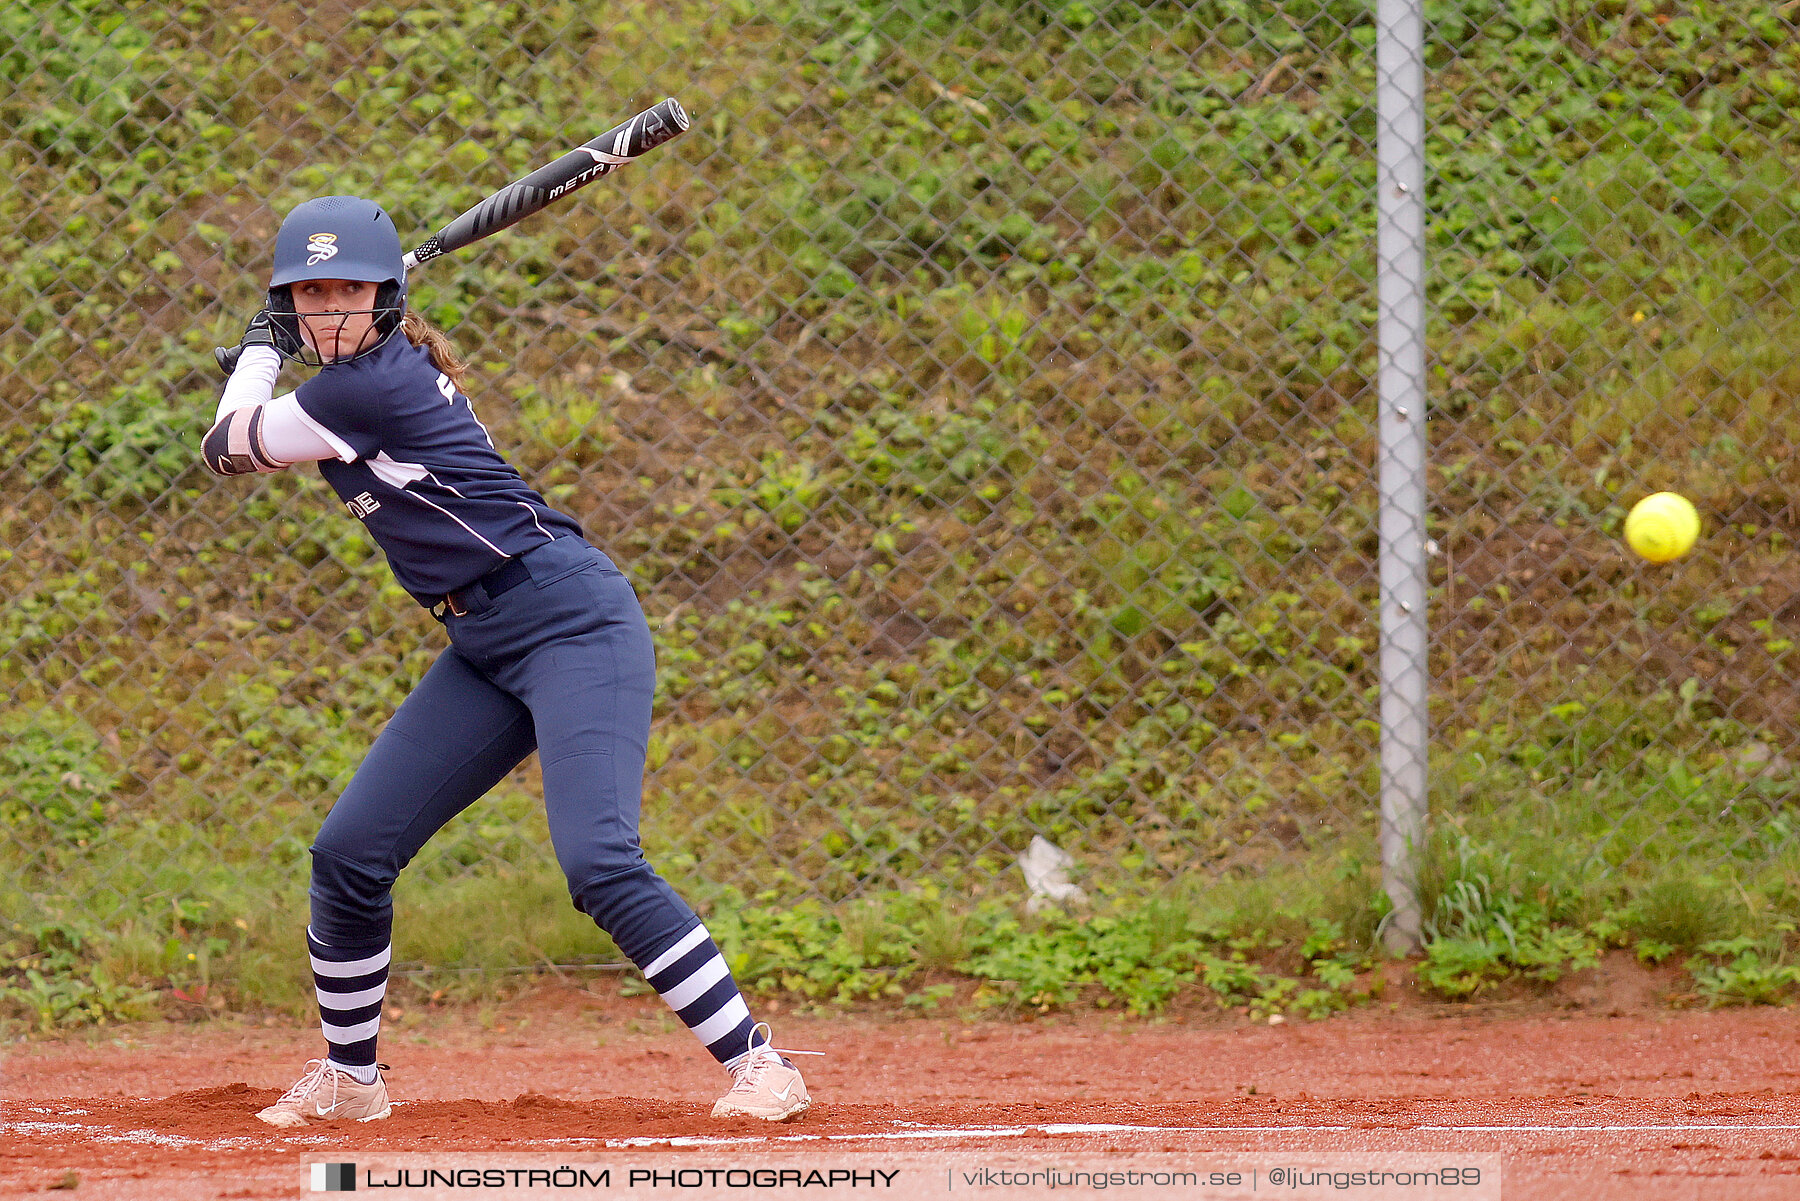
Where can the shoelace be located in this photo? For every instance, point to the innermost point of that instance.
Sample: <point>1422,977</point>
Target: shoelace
<point>310,1081</point>
<point>748,1074</point>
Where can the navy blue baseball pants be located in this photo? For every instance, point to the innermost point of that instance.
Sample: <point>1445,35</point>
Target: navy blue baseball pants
<point>562,664</point>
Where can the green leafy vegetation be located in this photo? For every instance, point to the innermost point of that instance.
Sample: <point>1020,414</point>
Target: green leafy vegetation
<point>231,947</point>
<point>1745,971</point>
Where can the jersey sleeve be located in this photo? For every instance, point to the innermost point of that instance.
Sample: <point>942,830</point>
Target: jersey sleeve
<point>264,437</point>
<point>339,408</point>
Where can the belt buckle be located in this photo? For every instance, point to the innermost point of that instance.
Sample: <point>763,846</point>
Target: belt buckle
<point>450,604</point>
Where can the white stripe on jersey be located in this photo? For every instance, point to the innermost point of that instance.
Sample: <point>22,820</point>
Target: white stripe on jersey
<point>534,520</point>
<point>394,473</point>
<point>459,521</point>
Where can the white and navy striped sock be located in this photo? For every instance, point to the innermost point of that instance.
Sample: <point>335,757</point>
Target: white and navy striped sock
<point>692,979</point>
<point>351,982</point>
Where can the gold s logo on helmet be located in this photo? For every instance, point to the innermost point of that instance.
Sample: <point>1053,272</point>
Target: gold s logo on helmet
<point>320,247</point>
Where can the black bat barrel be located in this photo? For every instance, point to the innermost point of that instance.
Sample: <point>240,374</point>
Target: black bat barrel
<point>576,169</point>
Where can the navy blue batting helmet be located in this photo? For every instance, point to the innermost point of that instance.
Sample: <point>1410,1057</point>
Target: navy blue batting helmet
<point>337,237</point>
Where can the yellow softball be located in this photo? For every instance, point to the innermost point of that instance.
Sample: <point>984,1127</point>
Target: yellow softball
<point>1662,526</point>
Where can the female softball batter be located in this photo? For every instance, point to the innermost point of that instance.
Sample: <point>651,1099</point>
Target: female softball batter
<point>549,651</point>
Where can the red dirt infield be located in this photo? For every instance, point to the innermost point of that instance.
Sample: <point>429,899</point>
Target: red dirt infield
<point>1646,1104</point>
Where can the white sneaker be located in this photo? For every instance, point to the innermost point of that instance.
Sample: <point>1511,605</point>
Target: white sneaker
<point>764,1084</point>
<point>327,1094</point>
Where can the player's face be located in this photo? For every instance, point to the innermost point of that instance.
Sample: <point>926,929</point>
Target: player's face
<point>336,315</point>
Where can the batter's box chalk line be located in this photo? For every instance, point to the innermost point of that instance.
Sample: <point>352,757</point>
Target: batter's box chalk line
<point>908,1132</point>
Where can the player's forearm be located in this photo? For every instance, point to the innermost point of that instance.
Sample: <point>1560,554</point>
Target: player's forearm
<point>253,382</point>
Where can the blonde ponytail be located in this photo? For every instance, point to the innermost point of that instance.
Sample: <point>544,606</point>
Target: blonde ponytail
<point>421,332</point>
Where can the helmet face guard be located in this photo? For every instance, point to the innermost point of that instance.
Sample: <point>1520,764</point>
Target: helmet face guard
<point>336,237</point>
<point>284,320</point>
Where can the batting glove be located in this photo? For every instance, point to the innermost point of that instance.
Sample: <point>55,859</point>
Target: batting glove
<point>258,333</point>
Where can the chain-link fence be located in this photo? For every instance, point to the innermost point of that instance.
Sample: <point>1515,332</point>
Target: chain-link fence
<point>982,398</point>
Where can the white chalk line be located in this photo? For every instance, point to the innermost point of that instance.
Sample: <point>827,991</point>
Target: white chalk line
<point>913,1132</point>
<point>1599,1129</point>
<point>107,1134</point>
<point>995,1132</point>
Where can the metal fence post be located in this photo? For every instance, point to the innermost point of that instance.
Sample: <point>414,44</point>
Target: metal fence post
<point>1405,675</point>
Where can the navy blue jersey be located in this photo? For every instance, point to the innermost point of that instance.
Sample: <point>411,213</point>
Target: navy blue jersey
<point>417,466</point>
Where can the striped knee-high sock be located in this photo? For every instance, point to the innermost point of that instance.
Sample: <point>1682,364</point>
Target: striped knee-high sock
<point>351,982</point>
<point>692,979</point>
